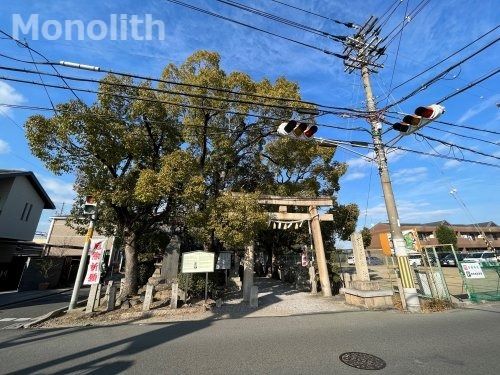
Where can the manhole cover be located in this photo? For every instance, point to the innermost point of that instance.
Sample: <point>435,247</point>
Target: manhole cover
<point>362,361</point>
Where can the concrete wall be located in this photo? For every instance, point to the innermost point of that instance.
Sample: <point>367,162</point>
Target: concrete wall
<point>5,187</point>
<point>21,192</point>
<point>32,276</point>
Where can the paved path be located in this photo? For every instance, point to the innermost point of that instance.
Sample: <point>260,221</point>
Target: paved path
<point>282,299</point>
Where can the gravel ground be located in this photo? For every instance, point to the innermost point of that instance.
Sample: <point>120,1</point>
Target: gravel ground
<point>275,299</point>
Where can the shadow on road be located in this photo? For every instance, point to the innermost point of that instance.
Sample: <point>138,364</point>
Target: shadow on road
<point>99,356</point>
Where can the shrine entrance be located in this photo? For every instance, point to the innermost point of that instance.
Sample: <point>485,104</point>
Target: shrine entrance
<point>283,219</point>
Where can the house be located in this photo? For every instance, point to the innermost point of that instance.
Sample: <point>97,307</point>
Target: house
<point>65,242</point>
<point>470,237</point>
<point>22,200</point>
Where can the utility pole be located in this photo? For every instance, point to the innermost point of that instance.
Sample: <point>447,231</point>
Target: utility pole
<point>83,262</point>
<point>362,51</point>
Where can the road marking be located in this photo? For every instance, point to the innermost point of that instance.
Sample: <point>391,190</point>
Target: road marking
<point>22,319</point>
<point>7,319</point>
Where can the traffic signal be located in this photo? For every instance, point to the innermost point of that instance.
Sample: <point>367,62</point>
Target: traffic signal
<point>89,206</point>
<point>297,130</point>
<point>422,116</point>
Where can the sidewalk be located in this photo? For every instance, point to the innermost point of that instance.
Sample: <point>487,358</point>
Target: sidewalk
<point>13,297</point>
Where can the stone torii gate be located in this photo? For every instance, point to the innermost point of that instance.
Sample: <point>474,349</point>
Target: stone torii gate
<point>314,217</point>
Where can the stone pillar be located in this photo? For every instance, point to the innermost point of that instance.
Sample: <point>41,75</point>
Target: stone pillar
<point>254,296</point>
<point>174,296</point>
<point>148,297</point>
<point>111,298</point>
<point>170,264</point>
<point>108,287</point>
<point>248,271</point>
<point>92,297</point>
<point>97,300</point>
<point>121,297</point>
<point>312,280</point>
<point>236,267</point>
<point>358,249</point>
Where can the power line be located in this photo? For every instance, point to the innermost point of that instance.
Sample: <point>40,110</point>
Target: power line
<point>442,156</point>
<point>62,110</point>
<point>441,74</point>
<point>346,24</point>
<point>255,28</point>
<point>342,142</point>
<point>467,127</point>
<point>447,123</point>
<point>399,45</point>
<point>463,135</point>
<point>408,18</point>
<point>469,86</point>
<point>182,84</point>
<point>11,120</point>
<point>338,38</point>
<point>25,45</point>
<point>388,15</point>
<point>442,60</point>
<point>163,91</point>
<point>41,79</point>
<point>451,145</point>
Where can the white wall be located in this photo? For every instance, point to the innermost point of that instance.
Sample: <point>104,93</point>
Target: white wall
<point>11,224</point>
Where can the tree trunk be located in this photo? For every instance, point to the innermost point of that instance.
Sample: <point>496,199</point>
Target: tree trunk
<point>130,286</point>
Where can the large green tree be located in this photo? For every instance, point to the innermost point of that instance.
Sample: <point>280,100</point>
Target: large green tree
<point>167,154</point>
<point>110,146</point>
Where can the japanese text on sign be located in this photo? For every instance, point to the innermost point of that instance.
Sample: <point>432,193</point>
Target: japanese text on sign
<point>96,251</point>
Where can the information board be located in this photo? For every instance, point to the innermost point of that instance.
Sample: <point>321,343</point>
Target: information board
<point>198,262</point>
<point>472,270</point>
<point>223,261</point>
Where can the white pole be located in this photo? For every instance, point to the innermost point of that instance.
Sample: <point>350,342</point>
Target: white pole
<point>83,262</point>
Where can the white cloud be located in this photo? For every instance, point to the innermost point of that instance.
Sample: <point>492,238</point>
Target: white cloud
<point>353,176</point>
<point>412,211</point>
<point>58,190</point>
<point>408,175</point>
<point>477,109</point>
<point>9,95</point>
<point>4,147</point>
<point>359,162</point>
<point>450,164</point>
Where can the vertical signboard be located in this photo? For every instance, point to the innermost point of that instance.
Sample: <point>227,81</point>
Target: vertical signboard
<point>96,252</point>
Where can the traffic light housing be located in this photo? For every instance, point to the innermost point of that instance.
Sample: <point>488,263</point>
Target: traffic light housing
<point>422,116</point>
<point>89,207</point>
<point>297,130</point>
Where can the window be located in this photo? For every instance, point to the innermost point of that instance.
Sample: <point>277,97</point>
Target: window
<point>26,212</point>
<point>29,212</point>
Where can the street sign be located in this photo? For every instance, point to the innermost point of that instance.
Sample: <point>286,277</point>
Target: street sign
<point>223,261</point>
<point>198,262</point>
<point>472,270</point>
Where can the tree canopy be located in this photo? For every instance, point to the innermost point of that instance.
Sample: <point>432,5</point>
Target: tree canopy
<point>171,155</point>
<point>446,235</point>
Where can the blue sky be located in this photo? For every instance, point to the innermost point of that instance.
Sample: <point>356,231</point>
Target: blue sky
<point>421,184</point>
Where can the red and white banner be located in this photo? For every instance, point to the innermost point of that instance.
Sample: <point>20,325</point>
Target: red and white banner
<point>96,252</point>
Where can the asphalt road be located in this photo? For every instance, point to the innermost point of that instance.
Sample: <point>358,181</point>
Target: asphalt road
<point>455,342</point>
<point>24,312</point>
